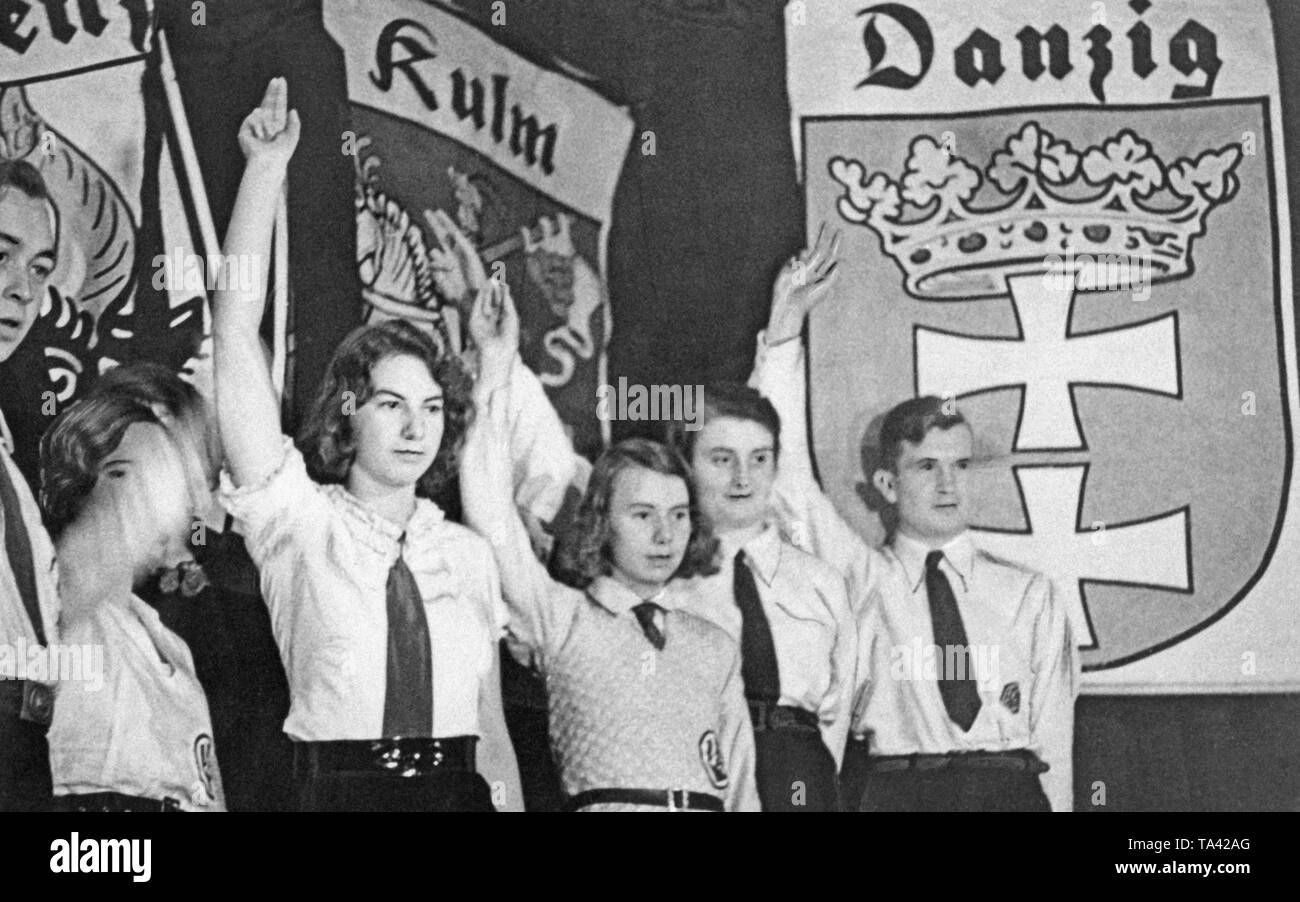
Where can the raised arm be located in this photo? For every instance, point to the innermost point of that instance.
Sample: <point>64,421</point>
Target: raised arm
<point>801,285</point>
<point>248,411</point>
<point>806,514</point>
<point>543,463</point>
<point>540,608</point>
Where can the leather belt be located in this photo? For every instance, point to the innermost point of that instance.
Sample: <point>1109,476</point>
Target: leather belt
<point>27,700</point>
<point>113,801</point>
<point>405,757</point>
<point>672,799</point>
<point>767,715</point>
<point>1021,760</point>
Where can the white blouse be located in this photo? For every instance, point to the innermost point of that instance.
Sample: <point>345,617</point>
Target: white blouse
<point>141,730</point>
<point>324,559</point>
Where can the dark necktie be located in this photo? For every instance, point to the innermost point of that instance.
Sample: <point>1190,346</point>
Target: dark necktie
<point>960,696</point>
<point>645,615</point>
<point>18,548</point>
<point>758,667</point>
<point>408,693</point>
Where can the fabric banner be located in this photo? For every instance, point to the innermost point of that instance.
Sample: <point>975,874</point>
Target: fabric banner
<point>465,149</point>
<point>1072,218</point>
<point>81,99</point>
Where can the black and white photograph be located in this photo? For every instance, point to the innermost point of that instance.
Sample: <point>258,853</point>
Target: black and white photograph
<point>660,406</point>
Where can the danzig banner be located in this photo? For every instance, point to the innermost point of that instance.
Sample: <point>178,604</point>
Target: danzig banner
<point>473,161</point>
<point>1072,218</point>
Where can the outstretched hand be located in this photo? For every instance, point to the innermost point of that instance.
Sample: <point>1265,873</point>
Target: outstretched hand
<point>269,134</point>
<point>494,326</point>
<point>458,270</point>
<point>802,284</point>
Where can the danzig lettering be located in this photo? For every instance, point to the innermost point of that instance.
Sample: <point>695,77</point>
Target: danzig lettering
<point>1192,49</point>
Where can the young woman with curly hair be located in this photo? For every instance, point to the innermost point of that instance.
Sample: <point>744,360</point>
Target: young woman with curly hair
<point>386,614</point>
<point>647,710</point>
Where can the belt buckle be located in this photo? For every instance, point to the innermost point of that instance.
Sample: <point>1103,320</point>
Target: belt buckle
<point>390,756</point>
<point>679,799</point>
<point>782,719</point>
<point>929,762</point>
<point>38,703</point>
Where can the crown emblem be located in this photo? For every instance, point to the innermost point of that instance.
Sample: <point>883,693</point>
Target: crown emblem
<point>1116,206</point>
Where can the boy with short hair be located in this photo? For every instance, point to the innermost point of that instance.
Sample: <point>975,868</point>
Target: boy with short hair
<point>29,606</point>
<point>967,672</point>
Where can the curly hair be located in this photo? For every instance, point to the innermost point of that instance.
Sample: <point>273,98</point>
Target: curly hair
<point>583,550</point>
<point>76,446</point>
<point>326,438</point>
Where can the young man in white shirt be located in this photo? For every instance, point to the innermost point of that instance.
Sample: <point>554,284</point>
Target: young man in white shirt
<point>28,603</point>
<point>967,672</point>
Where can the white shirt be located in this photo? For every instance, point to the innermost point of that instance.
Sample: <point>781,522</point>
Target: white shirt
<point>1022,657</point>
<point>324,559</point>
<point>807,517</point>
<point>813,629</point>
<point>1036,640</point>
<point>146,731</point>
<point>14,622</point>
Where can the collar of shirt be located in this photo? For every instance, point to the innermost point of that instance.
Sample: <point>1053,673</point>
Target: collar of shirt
<point>617,598</point>
<point>959,553</point>
<point>6,438</point>
<point>763,552</point>
<point>380,533</point>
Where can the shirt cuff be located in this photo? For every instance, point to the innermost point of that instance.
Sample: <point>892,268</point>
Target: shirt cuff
<point>285,490</point>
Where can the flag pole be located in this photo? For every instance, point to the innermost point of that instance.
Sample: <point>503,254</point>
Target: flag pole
<point>190,161</point>
<point>208,227</point>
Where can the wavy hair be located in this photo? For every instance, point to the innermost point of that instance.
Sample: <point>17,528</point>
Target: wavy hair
<point>154,386</point>
<point>911,421</point>
<point>76,446</point>
<point>583,550</point>
<point>326,438</point>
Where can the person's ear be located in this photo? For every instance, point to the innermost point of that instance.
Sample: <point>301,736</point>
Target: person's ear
<point>883,480</point>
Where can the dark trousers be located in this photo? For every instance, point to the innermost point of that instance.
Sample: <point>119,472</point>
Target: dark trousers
<point>25,783</point>
<point>794,771</point>
<point>450,790</point>
<point>953,788</point>
<point>523,697</point>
